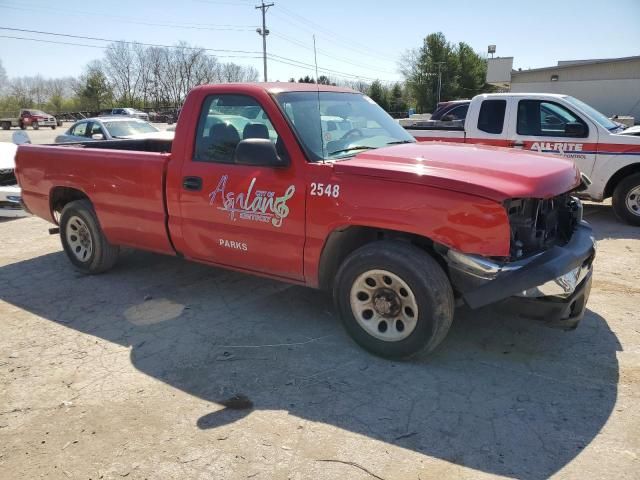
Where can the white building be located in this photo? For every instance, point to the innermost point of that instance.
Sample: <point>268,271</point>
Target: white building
<point>609,85</point>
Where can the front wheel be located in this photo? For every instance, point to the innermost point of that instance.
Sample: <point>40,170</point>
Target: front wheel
<point>83,240</point>
<point>394,299</point>
<point>53,127</point>
<point>626,199</point>
<point>35,125</point>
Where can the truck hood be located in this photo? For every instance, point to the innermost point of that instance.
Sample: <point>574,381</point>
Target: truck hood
<point>491,172</point>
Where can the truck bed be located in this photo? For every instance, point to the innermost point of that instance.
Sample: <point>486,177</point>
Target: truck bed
<point>124,180</point>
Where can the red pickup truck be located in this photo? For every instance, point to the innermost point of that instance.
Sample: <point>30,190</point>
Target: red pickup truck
<point>399,232</point>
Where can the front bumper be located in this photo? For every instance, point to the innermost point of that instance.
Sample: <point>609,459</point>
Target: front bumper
<point>552,286</point>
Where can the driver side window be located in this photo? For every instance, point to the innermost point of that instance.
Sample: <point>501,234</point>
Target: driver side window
<point>226,120</point>
<point>540,118</point>
<point>79,130</point>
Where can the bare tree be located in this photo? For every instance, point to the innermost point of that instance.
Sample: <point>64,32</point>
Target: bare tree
<point>121,68</point>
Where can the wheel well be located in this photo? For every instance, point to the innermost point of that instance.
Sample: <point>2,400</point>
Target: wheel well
<point>341,243</point>
<point>60,196</point>
<point>618,176</point>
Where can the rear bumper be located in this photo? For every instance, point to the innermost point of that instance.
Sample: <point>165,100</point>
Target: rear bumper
<point>552,286</point>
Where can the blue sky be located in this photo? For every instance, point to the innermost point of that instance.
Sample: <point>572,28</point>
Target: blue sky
<point>354,38</point>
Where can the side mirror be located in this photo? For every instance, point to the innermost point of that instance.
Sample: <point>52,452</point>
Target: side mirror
<point>20,138</point>
<point>97,136</point>
<point>575,129</point>
<point>260,152</point>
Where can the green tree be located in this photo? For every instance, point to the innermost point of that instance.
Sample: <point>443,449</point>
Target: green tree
<point>378,93</point>
<point>472,72</point>
<point>461,71</point>
<point>397,101</point>
<point>95,91</point>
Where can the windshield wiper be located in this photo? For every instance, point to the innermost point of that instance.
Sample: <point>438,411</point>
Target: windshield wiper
<point>357,147</point>
<point>399,142</point>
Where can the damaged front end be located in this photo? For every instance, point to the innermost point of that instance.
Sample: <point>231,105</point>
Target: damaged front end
<point>548,273</point>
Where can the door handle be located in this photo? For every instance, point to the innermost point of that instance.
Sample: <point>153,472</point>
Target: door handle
<point>517,144</point>
<point>192,183</point>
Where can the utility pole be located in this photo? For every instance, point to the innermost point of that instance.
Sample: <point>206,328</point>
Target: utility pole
<point>263,32</point>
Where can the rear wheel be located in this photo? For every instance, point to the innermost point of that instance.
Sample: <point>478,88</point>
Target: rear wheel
<point>394,299</point>
<point>626,199</point>
<point>83,240</point>
<point>53,127</point>
<point>6,125</point>
<point>35,125</point>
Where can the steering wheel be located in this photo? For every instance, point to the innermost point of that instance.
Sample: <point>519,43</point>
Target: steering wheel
<point>351,132</point>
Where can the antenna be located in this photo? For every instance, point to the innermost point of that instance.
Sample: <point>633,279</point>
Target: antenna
<point>315,59</point>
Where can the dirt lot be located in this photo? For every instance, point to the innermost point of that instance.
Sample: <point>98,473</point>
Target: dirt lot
<point>126,374</point>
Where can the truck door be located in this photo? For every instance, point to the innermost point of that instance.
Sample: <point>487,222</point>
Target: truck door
<point>549,127</point>
<point>486,125</point>
<point>245,216</point>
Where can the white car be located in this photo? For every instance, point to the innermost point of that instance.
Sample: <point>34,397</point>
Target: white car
<point>111,128</point>
<point>10,206</point>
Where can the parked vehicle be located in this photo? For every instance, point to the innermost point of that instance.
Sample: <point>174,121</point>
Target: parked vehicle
<point>451,110</point>
<point>130,112</point>
<point>28,117</point>
<point>556,124</point>
<point>10,193</point>
<point>110,128</point>
<point>397,231</point>
<point>447,115</point>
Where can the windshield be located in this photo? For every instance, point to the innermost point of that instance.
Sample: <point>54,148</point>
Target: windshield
<point>593,113</point>
<point>339,125</point>
<point>124,129</point>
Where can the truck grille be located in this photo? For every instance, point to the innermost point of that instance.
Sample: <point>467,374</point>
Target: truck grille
<point>7,178</point>
<point>537,225</point>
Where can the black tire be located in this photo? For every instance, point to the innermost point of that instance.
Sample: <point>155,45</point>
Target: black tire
<point>53,127</point>
<point>6,125</point>
<point>628,189</point>
<point>429,286</point>
<point>103,255</point>
<point>35,125</point>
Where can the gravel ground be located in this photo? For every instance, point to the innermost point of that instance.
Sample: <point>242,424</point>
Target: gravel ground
<point>127,374</point>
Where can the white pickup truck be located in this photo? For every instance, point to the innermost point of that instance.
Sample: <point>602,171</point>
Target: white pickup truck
<point>556,124</point>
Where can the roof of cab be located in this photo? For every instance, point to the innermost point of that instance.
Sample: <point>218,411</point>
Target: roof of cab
<point>279,87</point>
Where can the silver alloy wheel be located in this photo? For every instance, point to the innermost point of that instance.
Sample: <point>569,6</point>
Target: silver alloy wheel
<point>79,238</point>
<point>384,305</point>
<point>633,200</point>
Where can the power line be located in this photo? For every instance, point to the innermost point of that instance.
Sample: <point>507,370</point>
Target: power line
<point>329,35</point>
<point>103,47</point>
<point>191,26</point>
<point>325,54</point>
<point>247,54</point>
<point>98,39</point>
<point>300,64</point>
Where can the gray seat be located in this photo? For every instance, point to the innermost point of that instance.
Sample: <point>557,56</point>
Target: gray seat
<point>255,130</point>
<point>220,145</point>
